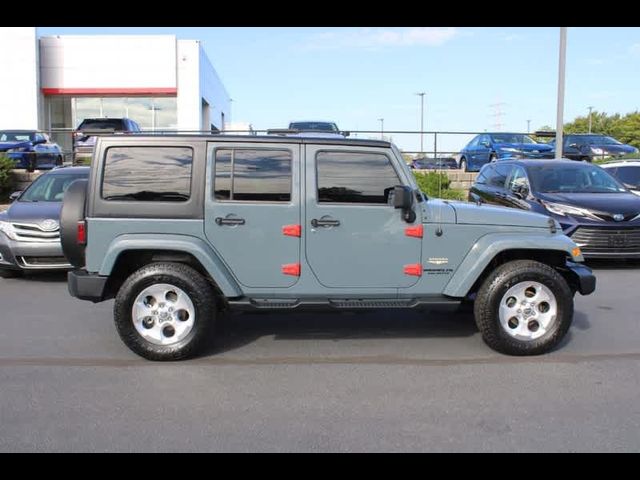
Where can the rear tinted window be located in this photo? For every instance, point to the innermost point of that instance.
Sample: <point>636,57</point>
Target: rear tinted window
<point>253,175</point>
<point>354,177</point>
<point>102,124</point>
<point>151,174</point>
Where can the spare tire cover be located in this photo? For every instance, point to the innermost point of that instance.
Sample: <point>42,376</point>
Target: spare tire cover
<point>73,211</point>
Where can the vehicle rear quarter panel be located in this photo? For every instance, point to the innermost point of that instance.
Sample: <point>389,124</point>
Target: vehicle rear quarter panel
<point>108,238</point>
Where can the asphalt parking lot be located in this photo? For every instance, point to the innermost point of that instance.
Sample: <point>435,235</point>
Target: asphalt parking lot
<point>382,381</point>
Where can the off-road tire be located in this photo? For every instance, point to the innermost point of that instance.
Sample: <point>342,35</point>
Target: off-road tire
<point>199,290</point>
<point>491,294</point>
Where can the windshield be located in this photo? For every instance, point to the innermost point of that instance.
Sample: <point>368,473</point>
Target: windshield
<point>601,140</point>
<point>319,126</point>
<point>511,138</point>
<point>630,176</point>
<point>101,124</point>
<point>8,136</point>
<point>579,178</point>
<point>50,188</point>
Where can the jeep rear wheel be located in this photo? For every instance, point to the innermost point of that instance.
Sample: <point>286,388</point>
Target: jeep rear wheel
<point>524,307</point>
<point>164,311</point>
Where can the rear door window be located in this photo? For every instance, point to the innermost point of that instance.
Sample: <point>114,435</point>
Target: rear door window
<point>252,175</point>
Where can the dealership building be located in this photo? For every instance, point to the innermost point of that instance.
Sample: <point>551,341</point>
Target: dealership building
<point>159,81</point>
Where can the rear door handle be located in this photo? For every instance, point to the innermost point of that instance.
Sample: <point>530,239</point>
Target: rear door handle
<point>230,221</point>
<point>325,223</point>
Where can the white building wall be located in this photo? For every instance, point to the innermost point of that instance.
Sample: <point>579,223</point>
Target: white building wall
<point>19,93</point>
<point>189,100</point>
<point>214,93</point>
<point>108,61</point>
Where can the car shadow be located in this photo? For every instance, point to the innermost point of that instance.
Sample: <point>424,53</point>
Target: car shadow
<point>235,331</point>
<point>55,276</point>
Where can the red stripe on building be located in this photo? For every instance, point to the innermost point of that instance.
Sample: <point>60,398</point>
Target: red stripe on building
<point>110,91</point>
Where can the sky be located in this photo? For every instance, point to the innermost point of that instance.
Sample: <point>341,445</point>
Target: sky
<point>475,78</point>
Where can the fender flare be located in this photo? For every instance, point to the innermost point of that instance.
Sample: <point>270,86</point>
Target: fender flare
<point>490,245</point>
<point>207,257</point>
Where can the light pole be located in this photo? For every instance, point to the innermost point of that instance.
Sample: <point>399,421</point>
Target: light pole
<point>381,120</point>
<point>590,108</point>
<point>528,126</point>
<point>421,95</point>
<point>560,110</point>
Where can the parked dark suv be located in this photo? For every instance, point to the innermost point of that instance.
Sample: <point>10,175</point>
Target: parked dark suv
<point>590,147</point>
<point>84,139</point>
<point>593,208</point>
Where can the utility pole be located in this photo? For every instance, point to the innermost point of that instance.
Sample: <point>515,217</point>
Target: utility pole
<point>590,108</point>
<point>528,126</point>
<point>381,120</point>
<point>421,95</point>
<point>560,110</point>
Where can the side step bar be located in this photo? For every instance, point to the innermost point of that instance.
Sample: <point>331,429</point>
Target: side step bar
<point>338,303</point>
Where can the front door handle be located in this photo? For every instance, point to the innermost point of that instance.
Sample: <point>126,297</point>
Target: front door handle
<point>325,223</point>
<point>229,221</point>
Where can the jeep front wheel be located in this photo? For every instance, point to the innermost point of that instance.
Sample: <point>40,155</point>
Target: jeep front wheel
<point>524,307</point>
<point>164,311</point>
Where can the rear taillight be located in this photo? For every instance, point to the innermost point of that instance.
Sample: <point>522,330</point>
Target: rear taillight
<point>81,236</point>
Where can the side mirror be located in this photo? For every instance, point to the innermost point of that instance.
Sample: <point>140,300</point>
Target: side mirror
<point>15,195</point>
<point>403,199</point>
<point>38,141</point>
<point>346,134</point>
<point>485,144</point>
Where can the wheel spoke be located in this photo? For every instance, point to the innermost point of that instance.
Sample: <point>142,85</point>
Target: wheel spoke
<point>535,309</point>
<point>161,304</point>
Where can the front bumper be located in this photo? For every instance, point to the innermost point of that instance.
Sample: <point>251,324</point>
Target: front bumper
<point>87,286</point>
<point>580,277</point>
<point>45,256</point>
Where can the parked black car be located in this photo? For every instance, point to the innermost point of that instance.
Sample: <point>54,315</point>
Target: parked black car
<point>430,163</point>
<point>591,206</point>
<point>589,147</point>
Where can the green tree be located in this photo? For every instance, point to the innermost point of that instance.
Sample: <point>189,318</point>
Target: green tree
<point>6,179</point>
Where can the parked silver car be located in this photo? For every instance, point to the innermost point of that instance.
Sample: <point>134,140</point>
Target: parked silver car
<point>30,228</point>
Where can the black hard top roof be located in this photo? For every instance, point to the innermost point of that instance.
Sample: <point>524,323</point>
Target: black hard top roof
<point>137,137</point>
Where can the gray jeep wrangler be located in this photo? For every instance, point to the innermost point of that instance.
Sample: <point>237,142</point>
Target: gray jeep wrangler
<point>179,228</point>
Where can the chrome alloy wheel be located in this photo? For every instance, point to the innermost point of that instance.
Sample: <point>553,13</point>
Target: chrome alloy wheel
<point>528,310</point>
<point>163,314</point>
